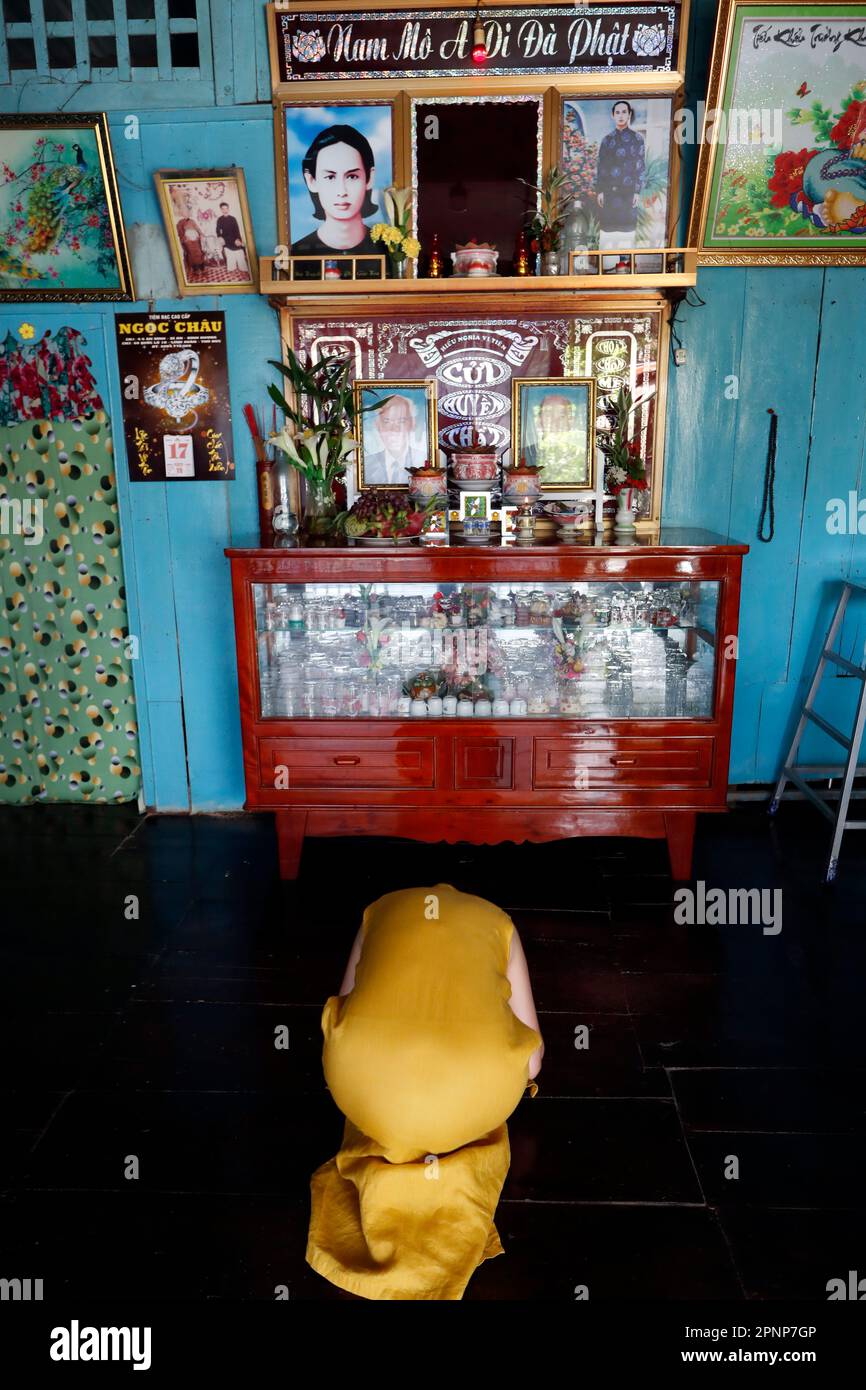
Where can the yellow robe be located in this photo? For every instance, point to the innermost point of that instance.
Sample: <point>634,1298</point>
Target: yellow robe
<point>426,1060</point>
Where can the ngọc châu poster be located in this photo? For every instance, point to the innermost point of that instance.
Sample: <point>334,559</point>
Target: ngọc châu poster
<point>175,389</point>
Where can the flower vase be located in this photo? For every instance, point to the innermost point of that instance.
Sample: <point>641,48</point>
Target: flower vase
<point>624,514</point>
<point>398,267</point>
<point>550,262</point>
<point>320,507</point>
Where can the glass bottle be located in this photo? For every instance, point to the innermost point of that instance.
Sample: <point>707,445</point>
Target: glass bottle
<point>576,238</point>
<point>296,618</point>
<point>434,269</point>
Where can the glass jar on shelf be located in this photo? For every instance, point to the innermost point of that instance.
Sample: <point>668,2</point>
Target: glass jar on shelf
<point>329,698</point>
<point>570,697</point>
<point>542,698</point>
<point>540,609</point>
<point>522,609</point>
<point>601,606</point>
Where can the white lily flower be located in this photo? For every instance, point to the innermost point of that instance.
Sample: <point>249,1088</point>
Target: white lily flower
<point>397,203</point>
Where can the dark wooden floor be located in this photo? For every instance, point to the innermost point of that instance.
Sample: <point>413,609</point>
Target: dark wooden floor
<point>153,1036</point>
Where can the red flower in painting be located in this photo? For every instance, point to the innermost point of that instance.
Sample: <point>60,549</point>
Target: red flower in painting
<point>93,220</point>
<point>851,129</point>
<point>788,175</point>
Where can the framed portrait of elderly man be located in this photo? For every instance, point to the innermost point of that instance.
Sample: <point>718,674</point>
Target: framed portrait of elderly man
<point>399,434</point>
<point>553,426</point>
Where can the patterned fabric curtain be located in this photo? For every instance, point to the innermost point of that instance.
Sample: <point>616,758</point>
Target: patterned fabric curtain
<point>67,709</point>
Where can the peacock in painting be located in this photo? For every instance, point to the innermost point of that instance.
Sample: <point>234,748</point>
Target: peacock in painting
<point>54,215</point>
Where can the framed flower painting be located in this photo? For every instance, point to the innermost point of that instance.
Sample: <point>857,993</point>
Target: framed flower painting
<point>782,165</point>
<point>61,229</point>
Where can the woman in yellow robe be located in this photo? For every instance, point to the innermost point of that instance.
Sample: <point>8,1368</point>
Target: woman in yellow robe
<point>428,1050</point>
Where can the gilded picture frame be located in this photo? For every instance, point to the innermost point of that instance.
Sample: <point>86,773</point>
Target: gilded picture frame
<point>408,439</point>
<point>783,183</point>
<point>292,146</point>
<point>61,221</point>
<point>202,210</point>
<point>553,424</point>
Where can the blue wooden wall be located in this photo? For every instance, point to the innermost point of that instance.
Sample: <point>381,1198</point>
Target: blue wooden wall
<point>792,339</point>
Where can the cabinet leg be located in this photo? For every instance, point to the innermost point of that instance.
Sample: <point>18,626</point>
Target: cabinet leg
<point>680,832</point>
<point>290,841</point>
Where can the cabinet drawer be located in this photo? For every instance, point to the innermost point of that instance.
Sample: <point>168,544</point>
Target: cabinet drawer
<point>333,763</point>
<point>483,762</point>
<point>587,764</point>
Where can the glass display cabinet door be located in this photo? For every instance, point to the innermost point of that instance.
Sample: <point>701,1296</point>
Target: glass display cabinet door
<point>599,649</point>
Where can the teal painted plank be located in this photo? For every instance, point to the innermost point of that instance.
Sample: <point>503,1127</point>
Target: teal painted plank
<point>171,792</point>
<point>198,521</point>
<point>252,321</point>
<point>781,306</point>
<point>703,411</point>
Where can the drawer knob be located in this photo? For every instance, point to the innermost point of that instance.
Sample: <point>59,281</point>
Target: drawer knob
<point>346,762</point>
<point>623,762</point>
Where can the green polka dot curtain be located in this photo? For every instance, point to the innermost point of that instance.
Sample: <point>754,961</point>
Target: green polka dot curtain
<point>67,709</point>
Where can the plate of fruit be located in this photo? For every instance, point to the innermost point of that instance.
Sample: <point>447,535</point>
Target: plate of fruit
<point>385,516</point>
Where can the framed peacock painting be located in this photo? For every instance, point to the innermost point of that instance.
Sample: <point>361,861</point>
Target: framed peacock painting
<point>61,227</point>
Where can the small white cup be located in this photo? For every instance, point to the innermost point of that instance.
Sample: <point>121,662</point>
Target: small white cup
<point>500,709</point>
<point>518,707</point>
<point>465,709</point>
<point>483,708</point>
<point>449,705</point>
<point>434,707</point>
<point>418,709</point>
<point>404,706</point>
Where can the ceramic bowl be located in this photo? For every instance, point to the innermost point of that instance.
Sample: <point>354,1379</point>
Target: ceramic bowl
<point>517,484</point>
<point>475,260</point>
<point>475,484</point>
<point>474,465</point>
<point>424,485</point>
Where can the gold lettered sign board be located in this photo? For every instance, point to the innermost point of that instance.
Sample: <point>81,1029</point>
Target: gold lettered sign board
<point>333,44</point>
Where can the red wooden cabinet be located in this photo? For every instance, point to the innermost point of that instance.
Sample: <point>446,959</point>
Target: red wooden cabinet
<point>637,744</point>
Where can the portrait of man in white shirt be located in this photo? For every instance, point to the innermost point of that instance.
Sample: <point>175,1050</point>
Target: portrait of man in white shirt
<point>395,439</point>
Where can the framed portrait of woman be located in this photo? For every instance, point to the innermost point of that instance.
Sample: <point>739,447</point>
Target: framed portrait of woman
<point>553,426</point>
<point>617,154</point>
<point>334,162</point>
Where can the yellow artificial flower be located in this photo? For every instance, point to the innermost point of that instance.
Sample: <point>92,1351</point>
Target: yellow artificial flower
<point>412,246</point>
<point>26,330</point>
<point>378,230</point>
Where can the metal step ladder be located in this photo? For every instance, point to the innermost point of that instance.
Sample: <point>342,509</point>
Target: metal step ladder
<point>798,775</point>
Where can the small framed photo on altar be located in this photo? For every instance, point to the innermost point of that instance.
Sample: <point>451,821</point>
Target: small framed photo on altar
<point>553,427</point>
<point>396,430</point>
